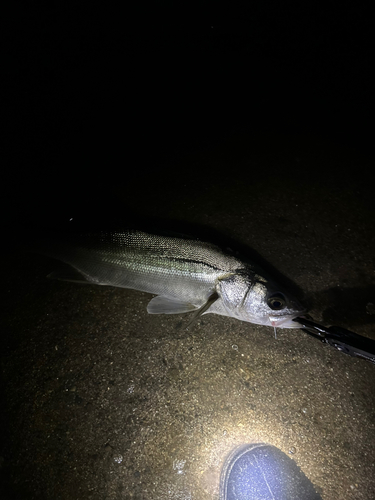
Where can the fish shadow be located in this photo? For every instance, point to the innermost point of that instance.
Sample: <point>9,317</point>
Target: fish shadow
<point>353,306</point>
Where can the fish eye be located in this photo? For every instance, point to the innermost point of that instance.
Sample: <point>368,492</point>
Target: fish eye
<point>276,301</point>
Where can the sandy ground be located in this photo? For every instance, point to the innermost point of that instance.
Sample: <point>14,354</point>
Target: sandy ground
<point>104,401</point>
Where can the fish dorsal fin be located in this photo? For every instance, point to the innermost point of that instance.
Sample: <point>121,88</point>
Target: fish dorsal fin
<point>168,305</point>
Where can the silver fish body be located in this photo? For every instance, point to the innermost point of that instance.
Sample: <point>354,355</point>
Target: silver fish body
<point>184,274</point>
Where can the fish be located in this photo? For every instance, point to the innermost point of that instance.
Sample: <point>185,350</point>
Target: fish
<point>184,274</point>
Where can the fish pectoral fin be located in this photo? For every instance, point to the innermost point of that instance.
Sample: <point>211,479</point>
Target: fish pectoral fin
<point>168,305</point>
<point>211,299</point>
<point>68,274</point>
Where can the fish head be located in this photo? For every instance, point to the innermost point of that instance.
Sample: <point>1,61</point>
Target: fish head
<point>250,297</point>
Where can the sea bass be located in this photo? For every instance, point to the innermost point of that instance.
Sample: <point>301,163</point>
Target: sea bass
<point>185,275</point>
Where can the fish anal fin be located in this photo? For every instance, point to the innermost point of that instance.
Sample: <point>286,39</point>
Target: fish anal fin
<point>68,274</point>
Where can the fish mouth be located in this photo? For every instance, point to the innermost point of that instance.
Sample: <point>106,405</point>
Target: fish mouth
<point>285,321</point>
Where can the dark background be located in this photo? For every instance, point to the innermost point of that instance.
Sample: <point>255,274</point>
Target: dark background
<point>96,96</point>
<point>253,120</point>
